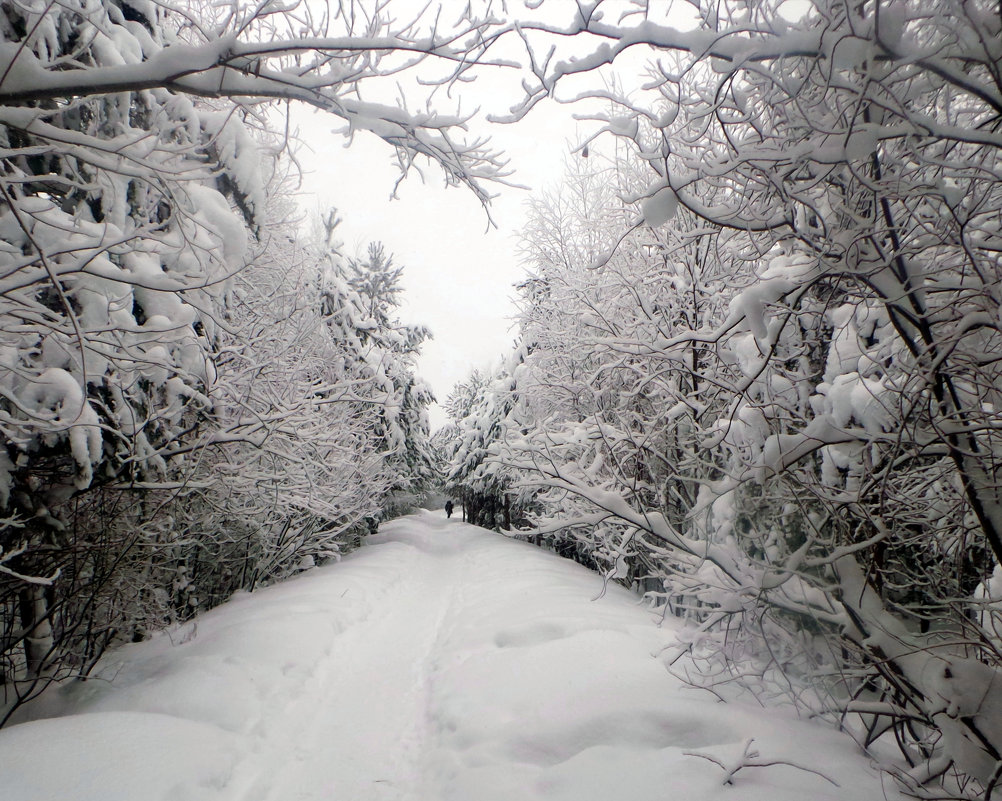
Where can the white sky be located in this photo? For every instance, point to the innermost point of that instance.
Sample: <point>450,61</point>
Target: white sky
<point>458,275</point>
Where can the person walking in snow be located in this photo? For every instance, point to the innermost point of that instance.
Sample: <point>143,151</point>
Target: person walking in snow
<point>448,508</point>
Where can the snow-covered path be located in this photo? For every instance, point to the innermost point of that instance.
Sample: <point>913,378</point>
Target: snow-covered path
<point>368,712</point>
<point>438,663</point>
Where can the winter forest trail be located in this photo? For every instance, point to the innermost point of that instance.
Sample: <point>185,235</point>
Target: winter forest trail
<point>374,689</point>
<point>438,663</point>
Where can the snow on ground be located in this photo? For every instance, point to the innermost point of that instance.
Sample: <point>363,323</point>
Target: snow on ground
<point>438,663</point>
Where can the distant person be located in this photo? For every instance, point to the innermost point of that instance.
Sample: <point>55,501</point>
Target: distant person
<point>448,508</point>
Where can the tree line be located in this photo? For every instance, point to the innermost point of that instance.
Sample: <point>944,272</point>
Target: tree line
<point>757,371</point>
<point>198,393</point>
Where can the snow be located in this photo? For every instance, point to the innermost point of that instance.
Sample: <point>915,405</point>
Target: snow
<point>891,24</point>
<point>240,156</point>
<point>659,207</point>
<point>987,596</point>
<point>439,662</point>
<point>216,215</point>
<point>752,303</point>
<point>969,690</point>
<point>55,396</point>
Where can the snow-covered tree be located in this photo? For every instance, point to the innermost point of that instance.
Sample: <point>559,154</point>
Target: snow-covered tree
<point>119,244</point>
<point>843,483</point>
<point>133,187</point>
<point>390,348</point>
<point>303,471</point>
<point>480,409</point>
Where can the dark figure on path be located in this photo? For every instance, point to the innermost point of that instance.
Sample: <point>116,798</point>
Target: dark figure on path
<point>448,508</point>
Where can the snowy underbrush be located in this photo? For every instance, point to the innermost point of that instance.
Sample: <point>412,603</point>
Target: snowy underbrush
<point>825,644</point>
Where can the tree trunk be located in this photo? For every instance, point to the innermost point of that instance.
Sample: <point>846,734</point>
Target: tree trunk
<point>38,638</point>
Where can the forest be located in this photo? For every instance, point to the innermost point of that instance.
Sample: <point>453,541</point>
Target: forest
<point>757,369</point>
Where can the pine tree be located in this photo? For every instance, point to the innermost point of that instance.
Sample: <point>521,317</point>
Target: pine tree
<point>390,350</point>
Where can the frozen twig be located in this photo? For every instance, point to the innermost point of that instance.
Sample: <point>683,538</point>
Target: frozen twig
<point>42,580</point>
<point>750,758</point>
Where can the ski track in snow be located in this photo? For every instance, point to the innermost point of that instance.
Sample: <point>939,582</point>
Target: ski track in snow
<point>438,663</point>
<point>337,735</point>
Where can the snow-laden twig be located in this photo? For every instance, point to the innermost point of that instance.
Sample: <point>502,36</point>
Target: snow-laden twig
<point>750,758</point>
<point>4,557</point>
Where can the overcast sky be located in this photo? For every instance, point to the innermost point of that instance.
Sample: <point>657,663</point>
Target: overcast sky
<point>459,272</point>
